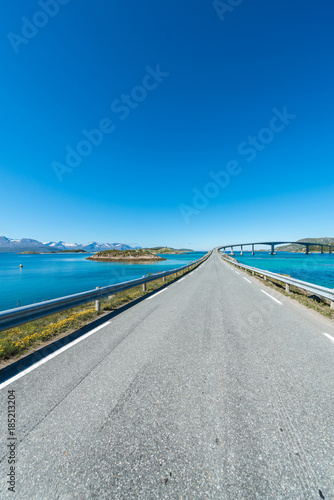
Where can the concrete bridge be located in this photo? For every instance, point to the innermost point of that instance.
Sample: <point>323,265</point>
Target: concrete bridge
<point>272,245</point>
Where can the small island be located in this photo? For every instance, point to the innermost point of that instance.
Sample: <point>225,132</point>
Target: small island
<point>28,252</point>
<point>125,256</point>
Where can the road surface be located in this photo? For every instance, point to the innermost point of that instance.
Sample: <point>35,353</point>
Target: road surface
<point>208,389</point>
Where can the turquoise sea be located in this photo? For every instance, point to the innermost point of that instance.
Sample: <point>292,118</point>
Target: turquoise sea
<point>49,276</point>
<point>315,268</point>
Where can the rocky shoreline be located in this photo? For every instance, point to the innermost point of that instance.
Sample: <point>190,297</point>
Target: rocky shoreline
<point>148,258</point>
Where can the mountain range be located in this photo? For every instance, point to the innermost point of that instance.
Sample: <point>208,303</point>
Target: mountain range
<point>28,244</point>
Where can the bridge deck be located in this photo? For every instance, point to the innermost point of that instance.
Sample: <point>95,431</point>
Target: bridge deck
<point>280,243</point>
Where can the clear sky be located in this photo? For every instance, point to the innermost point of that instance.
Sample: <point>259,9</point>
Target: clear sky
<point>215,121</point>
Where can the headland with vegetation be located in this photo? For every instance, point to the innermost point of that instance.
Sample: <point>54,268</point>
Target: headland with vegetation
<point>315,248</point>
<point>168,250</point>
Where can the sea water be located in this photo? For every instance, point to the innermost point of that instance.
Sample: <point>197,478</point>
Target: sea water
<point>49,276</point>
<point>314,268</point>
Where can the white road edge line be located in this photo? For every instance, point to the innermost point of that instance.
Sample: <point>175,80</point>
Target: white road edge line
<point>51,356</point>
<point>273,298</point>
<point>246,279</point>
<point>329,336</point>
<point>237,272</point>
<point>181,280</point>
<point>149,298</point>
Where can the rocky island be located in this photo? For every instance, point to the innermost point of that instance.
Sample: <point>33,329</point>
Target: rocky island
<point>125,256</point>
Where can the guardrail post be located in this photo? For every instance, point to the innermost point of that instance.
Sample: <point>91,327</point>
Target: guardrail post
<point>253,273</point>
<point>164,279</point>
<point>265,278</point>
<point>144,287</point>
<point>97,303</point>
<point>287,287</point>
<point>11,319</point>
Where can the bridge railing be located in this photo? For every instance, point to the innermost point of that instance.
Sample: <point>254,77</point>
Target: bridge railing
<point>321,291</point>
<point>20,315</point>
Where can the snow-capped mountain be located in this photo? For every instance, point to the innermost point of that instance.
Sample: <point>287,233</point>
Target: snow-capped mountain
<point>62,245</point>
<point>26,244</point>
<point>94,246</point>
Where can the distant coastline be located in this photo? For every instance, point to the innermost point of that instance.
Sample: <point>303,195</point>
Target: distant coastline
<point>168,250</point>
<point>28,252</point>
<point>314,248</point>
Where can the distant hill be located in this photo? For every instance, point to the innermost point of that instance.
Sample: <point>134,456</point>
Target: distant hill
<point>314,248</point>
<point>30,245</point>
<point>168,250</point>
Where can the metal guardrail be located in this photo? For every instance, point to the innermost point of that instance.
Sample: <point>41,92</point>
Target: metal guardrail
<point>322,291</point>
<point>25,314</point>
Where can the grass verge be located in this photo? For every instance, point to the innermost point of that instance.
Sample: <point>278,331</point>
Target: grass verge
<point>302,296</point>
<point>19,341</point>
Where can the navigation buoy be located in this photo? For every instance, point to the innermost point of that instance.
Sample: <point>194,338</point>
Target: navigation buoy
<point>21,265</point>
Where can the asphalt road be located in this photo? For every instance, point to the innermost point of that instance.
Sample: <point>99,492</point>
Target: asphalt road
<point>209,389</point>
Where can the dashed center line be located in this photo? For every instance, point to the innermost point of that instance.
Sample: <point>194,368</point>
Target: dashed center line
<point>273,298</point>
<point>329,336</point>
<point>237,272</point>
<point>247,280</point>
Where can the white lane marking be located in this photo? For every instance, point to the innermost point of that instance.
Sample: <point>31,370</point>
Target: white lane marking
<point>51,356</point>
<point>329,336</point>
<point>181,280</point>
<point>247,280</point>
<point>149,298</point>
<point>273,298</point>
<point>237,272</point>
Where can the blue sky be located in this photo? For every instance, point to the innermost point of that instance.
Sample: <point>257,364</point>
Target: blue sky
<point>185,93</point>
